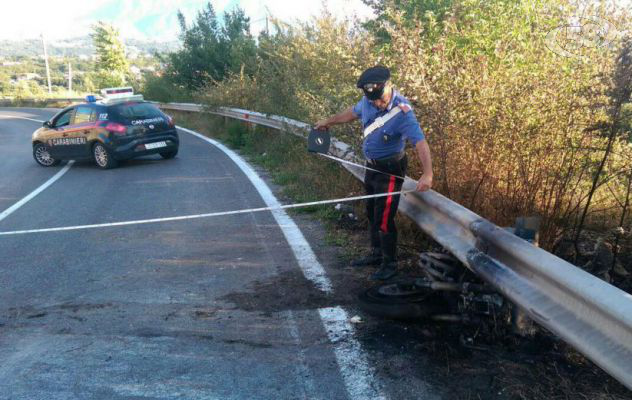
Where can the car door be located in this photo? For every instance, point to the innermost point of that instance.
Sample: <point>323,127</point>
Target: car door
<point>82,122</point>
<point>56,135</point>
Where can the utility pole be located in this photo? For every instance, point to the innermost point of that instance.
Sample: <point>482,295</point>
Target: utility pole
<point>50,89</point>
<point>268,14</point>
<point>69,77</point>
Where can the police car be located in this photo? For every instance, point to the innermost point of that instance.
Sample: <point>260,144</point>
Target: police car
<point>120,126</point>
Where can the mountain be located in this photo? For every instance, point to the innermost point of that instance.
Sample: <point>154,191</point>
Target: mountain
<point>80,46</point>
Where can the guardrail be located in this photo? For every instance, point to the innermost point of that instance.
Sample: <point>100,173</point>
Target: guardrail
<point>7,101</point>
<point>586,312</point>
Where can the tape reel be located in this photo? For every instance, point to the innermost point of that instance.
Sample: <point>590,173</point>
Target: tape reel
<point>318,141</point>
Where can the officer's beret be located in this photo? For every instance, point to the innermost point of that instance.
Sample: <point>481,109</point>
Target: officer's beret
<point>376,74</point>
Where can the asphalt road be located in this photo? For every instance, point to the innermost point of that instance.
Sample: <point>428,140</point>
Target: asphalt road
<point>160,311</point>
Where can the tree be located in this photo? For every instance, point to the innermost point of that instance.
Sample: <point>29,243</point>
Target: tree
<point>112,67</point>
<point>209,51</point>
<point>429,13</point>
<point>104,79</point>
<point>28,90</point>
<point>238,42</point>
<point>620,95</point>
<point>5,85</point>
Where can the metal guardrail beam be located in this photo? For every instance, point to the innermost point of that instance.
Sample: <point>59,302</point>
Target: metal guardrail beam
<point>10,100</point>
<point>588,313</point>
<point>48,99</point>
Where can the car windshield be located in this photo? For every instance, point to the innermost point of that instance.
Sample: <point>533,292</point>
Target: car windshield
<point>129,112</point>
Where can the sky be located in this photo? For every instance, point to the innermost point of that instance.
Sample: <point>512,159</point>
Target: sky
<point>147,19</point>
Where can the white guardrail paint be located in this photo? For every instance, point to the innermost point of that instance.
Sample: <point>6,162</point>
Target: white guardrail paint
<point>588,313</point>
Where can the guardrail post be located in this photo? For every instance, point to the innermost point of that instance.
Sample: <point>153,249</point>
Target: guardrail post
<point>526,228</point>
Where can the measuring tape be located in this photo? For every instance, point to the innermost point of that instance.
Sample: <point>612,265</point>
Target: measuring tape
<point>223,213</point>
<point>340,160</point>
<point>319,141</point>
<point>199,216</point>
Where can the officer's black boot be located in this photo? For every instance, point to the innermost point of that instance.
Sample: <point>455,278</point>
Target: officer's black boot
<point>375,256</point>
<point>388,268</point>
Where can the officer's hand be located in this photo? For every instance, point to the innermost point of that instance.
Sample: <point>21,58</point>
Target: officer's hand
<point>322,125</point>
<point>425,183</point>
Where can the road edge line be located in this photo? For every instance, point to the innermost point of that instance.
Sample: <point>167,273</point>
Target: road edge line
<point>307,261</point>
<point>354,367</point>
<point>352,364</point>
<point>37,191</point>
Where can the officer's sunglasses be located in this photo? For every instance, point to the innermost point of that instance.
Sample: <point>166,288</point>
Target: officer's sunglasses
<point>370,87</point>
<point>373,91</point>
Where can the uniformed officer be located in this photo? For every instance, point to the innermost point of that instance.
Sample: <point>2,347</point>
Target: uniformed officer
<point>383,147</point>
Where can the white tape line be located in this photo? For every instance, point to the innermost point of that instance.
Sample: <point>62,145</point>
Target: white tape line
<point>340,160</point>
<point>14,117</point>
<point>357,374</point>
<point>303,252</point>
<point>37,191</point>
<point>192,216</point>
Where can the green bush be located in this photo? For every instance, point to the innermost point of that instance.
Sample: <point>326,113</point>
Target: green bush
<point>237,132</point>
<point>159,88</point>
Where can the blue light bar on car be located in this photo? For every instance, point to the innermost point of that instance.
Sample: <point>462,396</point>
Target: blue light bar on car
<point>91,99</point>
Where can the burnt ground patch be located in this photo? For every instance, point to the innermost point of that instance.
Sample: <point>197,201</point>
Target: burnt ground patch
<point>289,290</point>
<point>489,366</point>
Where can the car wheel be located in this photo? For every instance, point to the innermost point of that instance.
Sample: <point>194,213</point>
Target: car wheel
<point>103,157</point>
<point>402,301</point>
<point>41,153</point>
<point>169,154</point>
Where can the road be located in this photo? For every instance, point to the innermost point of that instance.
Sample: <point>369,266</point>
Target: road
<point>215,308</point>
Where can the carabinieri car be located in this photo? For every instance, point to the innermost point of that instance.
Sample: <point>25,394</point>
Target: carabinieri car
<point>118,127</point>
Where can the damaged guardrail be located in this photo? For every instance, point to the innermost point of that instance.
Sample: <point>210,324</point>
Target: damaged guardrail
<point>588,313</point>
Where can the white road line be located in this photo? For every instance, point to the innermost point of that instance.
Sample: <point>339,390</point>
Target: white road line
<point>14,117</point>
<point>303,252</point>
<point>354,366</point>
<point>358,376</point>
<point>37,191</point>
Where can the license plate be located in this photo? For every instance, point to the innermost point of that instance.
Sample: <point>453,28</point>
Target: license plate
<point>156,145</point>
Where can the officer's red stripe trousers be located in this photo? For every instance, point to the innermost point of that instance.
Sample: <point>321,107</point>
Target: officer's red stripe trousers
<point>387,208</point>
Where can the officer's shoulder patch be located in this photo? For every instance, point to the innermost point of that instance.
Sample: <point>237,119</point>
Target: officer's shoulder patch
<point>405,107</point>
